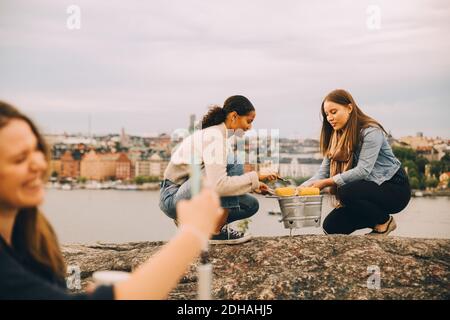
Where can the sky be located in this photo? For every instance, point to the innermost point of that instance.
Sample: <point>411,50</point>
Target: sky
<point>147,65</point>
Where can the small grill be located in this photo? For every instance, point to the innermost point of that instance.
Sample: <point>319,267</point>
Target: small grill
<point>300,211</point>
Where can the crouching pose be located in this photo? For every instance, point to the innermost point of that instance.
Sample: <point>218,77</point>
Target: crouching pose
<point>361,169</point>
<point>222,170</point>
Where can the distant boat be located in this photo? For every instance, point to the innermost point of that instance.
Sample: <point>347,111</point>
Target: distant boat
<point>107,185</point>
<point>52,185</point>
<point>94,186</point>
<point>126,187</point>
<point>66,187</point>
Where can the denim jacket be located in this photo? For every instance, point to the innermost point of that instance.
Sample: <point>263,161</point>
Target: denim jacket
<point>374,160</point>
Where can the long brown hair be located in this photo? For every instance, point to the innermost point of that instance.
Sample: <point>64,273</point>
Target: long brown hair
<point>356,122</point>
<point>33,235</point>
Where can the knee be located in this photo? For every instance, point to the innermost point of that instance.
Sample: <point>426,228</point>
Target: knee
<point>331,224</point>
<point>328,226</point>
<point>253,205</point>
<point>167,205</point>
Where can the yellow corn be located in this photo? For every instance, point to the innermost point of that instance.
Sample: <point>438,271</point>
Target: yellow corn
<point>308,191</point>
<point>285,192</point>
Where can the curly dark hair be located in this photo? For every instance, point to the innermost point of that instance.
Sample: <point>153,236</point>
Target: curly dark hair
<point>216,115</point>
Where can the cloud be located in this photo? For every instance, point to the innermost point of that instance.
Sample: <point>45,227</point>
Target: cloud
<point>168,59</point>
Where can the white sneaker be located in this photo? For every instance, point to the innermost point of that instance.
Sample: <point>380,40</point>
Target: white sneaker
<point>229,236</point>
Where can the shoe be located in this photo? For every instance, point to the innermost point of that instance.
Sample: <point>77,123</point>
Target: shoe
<point>390,227</point>
<point>229,236</point>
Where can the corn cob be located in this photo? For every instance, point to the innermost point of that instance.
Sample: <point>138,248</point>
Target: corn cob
<point>308,191</point>
<point>285,192</point>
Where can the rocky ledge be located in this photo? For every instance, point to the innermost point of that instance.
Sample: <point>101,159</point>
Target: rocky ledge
<point>299,267</point>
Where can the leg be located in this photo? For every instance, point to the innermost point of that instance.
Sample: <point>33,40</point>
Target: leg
<point>343,220</point>
<point>389,197</point>
<point>170,195</point>
<point>370,212</point>
<point>374,203</point>
<point>248,206</point>
<point>237,208</point>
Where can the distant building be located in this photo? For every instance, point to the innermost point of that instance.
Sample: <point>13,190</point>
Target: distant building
<point>298,168</point>
<point>70,167</point>
<point>428,152</point>
<point>444,178</point>
<point>417,141</point>
<point>441,150</point>
<point>157,165</point>
<point>160,143</point>
<point>136,154</point>
<point>124,139</point>
<point>124,167</point>
<point>99,167</point>
<point>154,167</point>
<point>55,166</point>
<point>142,168</point>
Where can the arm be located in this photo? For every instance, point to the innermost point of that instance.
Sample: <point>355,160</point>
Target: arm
<point>372,142</point>
<point>160,274</point>
<point>153,280</point>
<point>323,173</point>
<point>226,185</point>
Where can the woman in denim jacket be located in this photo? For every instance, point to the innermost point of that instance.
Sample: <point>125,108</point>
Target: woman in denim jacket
<point>360,168</point>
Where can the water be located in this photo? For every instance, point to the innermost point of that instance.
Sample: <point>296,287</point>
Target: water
<point>88,216</point>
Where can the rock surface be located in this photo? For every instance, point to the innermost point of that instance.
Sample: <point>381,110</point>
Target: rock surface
<point>300,267</point>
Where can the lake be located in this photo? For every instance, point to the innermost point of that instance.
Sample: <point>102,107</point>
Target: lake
<point>88,216</point>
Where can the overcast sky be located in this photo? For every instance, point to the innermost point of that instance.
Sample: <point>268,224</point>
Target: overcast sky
<point>147,65</point>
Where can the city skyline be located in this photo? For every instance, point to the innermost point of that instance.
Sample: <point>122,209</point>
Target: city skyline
<point>86,134</point>
<point>147,66</point>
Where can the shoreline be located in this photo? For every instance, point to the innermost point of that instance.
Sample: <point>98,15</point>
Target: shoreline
<point>425,193</point>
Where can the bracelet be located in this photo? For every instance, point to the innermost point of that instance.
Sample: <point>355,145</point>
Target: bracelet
<point>193,230</point>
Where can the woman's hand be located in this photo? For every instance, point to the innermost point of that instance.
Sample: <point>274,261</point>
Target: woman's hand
<point>160,274</point>
<point>267,177</point>
<point>322,183</point>
<point>306,184</point>
<point>263,189</point>
<point>203,212</point>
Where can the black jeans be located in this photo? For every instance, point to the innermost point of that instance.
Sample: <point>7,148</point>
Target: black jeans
<point>366,204</point>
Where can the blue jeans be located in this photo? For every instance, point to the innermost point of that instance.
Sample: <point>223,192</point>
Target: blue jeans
<point>239,207</point>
